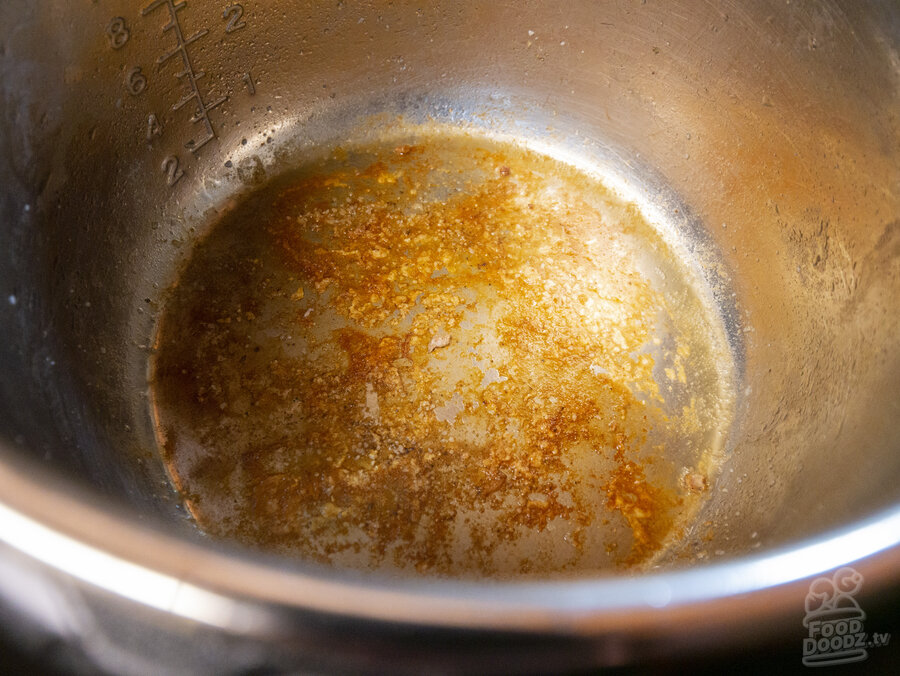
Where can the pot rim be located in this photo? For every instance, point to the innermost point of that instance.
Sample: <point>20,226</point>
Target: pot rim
<point>66,528</point>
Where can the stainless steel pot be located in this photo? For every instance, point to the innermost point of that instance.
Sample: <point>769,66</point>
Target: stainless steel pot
<point>772,128</point>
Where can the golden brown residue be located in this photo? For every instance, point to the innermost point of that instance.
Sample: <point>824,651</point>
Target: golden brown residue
<point>435,357</point>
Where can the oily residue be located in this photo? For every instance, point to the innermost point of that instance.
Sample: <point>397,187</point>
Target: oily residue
<point>440,356</point>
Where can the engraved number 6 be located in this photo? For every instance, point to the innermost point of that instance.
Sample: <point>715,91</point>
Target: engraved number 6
<point>135,81</point>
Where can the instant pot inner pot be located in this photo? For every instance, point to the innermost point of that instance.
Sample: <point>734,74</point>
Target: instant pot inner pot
<point>442,354</point>
<point>457,291</point>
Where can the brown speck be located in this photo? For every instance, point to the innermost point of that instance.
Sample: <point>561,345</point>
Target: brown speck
<point>695,482</point>
<point>438,341</point>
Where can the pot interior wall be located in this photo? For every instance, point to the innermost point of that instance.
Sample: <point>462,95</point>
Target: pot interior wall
<point>767,136</point>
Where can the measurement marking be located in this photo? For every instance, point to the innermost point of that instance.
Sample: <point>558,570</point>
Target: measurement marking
<point>117,32</point>
<point>154,127</point>
<point>188,74</point>
<point>233,16</point>
<point>173,172</point>
<point>248,80</point>
<point>182,46</point>
<point>135,81</point>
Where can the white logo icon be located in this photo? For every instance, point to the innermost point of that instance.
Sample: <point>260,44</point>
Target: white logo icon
<point>835,622</point>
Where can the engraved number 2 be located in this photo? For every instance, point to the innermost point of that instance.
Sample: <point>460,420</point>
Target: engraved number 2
<point>234,13</point>
<point>172,171</point>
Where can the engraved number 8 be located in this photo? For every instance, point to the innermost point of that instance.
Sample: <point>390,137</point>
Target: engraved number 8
<point>117,32</point>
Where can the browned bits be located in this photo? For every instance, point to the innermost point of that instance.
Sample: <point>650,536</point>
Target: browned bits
<point>646,508</point>
<point>421,362</point>
<point>695,482</point>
